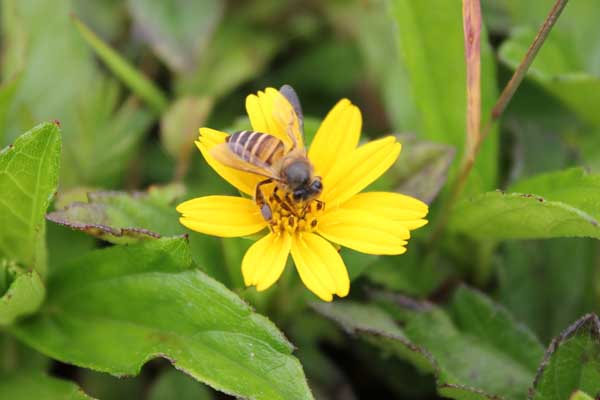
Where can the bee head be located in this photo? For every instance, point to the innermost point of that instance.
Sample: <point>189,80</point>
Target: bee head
<point>297,175</point>
<point>308,191</point>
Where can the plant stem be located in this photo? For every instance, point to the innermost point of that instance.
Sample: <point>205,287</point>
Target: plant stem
<point>499,107</point>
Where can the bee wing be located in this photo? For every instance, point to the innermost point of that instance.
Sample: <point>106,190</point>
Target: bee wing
<point>222,153</point>
<point>288,112</point>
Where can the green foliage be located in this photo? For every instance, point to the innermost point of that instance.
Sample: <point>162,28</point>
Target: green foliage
<point>179,30</point>
<point>174,385</point>
<point>122,306</point>
<point>434,60</point>
<point>139,84</point>
<point>116,295</point>
<point>475,348</point>
<point>22,293</point>
<point>572,362</point>
<point>38,386</point>
<point>28,179</point>
<point>561,204</point>
<point>120,217</point>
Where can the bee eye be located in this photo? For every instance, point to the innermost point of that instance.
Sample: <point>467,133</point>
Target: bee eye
<point>317,186</point>
<point>298,195</point>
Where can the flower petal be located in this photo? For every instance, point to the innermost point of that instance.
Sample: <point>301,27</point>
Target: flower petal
<point>374,222</point>
<point>364,231</point>
<point>340,130</point>
<point>320,266</point>
<point>265,260</point>
<point>392,206</point>
<point>243,181</point>
<point>358,169</point>
<point>270,112</point>
<point>224,216</point>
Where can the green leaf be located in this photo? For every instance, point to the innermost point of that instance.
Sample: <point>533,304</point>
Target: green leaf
<point>114,309</point>
<point>422,169</point>
<point>577,88</point>
<point>566,65</point>
<point>134,79</point>
<point>22,292</point>
<point>39,34</point>
<point>35,385</point>
<point>431,46</point>
<point>559,204</point>
<point>571,362</point>
<point>238,51</point>
<point>579,395</point>
<point>120,217</point>
<point>416,273</point>
<point>174,385</point>
<point>100,131</point>
<point>535,285</point>
<point>177,30</point>
<point>475,348</point>
<point>179,125</point>
<point>28,179</point>
<point>110,134</point>
<point>104,386</point>
<point>8,91</point>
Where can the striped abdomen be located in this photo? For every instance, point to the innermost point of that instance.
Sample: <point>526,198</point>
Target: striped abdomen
<point>255,147</point>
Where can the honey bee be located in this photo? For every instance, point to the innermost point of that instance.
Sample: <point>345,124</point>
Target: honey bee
<point>267,155</point>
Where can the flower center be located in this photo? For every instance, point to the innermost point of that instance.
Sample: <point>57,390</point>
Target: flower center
<point>292,216</point>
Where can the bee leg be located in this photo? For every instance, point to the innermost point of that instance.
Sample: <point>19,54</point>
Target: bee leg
<point>320,204</point>
<point>287,205</point>
<point>259,197</point>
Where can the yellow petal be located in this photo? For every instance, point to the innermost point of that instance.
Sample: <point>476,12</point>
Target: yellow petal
<point>391,206</point>
<point>270,112</point>
<point>320,266</point>
<point>265,260</point>
<point>224,216</point>
<point>373,222</point>
<point>356,170</point>
<point>364,231</point>
<point>340,130</point>
<point>243,181</point>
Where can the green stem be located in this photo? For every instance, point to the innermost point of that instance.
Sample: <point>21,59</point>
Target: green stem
<point>499,107</point>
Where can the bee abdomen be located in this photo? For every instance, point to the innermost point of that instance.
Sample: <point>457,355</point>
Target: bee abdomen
<point>256,147</point>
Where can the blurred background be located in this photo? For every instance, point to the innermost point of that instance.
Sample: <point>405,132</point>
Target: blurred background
<point>129,117</point>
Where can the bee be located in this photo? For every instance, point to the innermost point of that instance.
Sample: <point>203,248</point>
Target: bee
<point>268,156</point>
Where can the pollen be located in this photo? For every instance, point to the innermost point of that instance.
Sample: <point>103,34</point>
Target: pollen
<point>292,217</point>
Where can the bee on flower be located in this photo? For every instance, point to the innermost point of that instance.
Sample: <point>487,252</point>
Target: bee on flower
<point>303,200</point>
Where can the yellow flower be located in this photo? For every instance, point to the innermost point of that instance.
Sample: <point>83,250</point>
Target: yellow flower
<point>370,222</point>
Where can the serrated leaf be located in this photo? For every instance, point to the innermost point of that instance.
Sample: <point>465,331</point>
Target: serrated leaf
<point>21,293</point>
<point>572,362</point>
<point>430,38</point>
<point>177,30</point>
<point>28,178</point>
<point>35,385</point>
<point>475,348</point>
<point>559,204</point>
<point>121,217</point>
<point>116,308</point>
